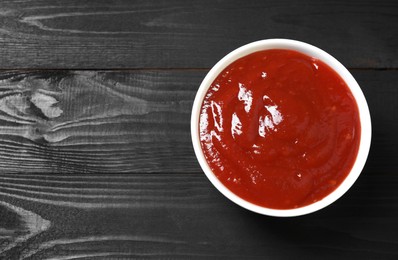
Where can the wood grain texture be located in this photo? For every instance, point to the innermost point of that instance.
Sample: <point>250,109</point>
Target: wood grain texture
<point>97,121</point>
<point>137,121</point>
<point>62,197</point>
<point>98,164</point>
<point>189,34</point>
<point>179,216</point>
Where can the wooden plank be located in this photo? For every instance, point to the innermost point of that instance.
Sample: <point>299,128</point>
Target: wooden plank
<point>180,216</point>
<point>188,34</point>
<point>382,97</point>
<point>84,122</point>
<point>134,121</point>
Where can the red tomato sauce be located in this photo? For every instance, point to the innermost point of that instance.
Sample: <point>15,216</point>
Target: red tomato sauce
<point>279,129</point>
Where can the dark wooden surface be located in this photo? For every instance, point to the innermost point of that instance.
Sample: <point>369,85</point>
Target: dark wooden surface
<point>96,160</point>
<point>101,34</point>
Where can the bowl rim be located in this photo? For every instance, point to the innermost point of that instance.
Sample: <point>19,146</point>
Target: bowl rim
<point>310,50</point>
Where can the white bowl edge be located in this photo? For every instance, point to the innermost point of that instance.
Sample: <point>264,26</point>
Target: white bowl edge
<point>310,50</point>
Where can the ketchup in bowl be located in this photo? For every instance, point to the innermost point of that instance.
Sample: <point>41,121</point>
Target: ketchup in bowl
<point>279,129</point>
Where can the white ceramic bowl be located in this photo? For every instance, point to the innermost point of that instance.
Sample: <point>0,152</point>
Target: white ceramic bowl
<point>309,50</point>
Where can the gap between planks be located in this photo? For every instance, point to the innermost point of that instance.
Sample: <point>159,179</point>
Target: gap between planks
<point>153,69</point>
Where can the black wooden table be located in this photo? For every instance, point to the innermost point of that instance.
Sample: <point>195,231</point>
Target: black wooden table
<point>96,160</point>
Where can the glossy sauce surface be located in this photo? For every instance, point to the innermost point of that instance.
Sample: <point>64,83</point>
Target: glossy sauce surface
<point>279,129</point>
